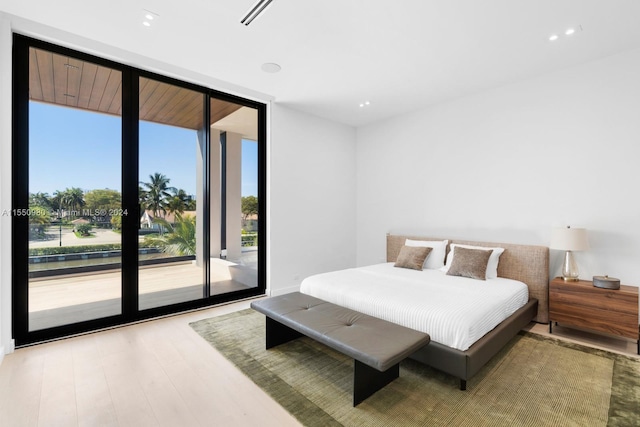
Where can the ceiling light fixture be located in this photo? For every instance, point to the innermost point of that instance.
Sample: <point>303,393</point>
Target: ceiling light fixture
<point>270,67</point>
<point>364,104</point>
<point>568,32</point>
<point>148,16</point>
<point>255,11</point>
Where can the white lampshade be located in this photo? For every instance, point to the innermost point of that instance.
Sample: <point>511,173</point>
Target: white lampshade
<point>569,239</point>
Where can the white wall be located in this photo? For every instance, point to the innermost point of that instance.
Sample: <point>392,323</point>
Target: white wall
<point>6,343</point>
<point>312,198</point>
<point>509,164</point>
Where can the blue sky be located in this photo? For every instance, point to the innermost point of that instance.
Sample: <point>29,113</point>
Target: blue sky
<point>77,148</point>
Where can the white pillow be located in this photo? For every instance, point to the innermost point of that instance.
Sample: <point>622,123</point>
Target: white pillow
<point>435,260</point>
<point>492,266</point>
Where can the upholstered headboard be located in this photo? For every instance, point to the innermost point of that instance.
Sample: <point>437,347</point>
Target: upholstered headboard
<point>527,263</point>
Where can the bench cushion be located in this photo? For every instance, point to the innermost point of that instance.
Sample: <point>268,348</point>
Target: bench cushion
<point>375,342</point>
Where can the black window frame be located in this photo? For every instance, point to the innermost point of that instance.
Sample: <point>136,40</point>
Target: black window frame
<point>130,151</point>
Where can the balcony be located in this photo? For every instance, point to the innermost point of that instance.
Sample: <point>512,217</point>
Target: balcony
<point>66,289</point>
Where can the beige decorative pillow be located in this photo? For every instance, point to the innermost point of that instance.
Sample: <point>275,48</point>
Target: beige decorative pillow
<point>412,257</point>
<point>470,263</point>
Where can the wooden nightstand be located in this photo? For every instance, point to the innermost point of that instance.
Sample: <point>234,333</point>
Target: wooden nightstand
<point>613,311</point>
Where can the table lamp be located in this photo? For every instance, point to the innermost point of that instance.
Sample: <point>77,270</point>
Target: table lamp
<point>569,239</point>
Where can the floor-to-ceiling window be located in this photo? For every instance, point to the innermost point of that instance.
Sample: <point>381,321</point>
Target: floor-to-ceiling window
<point>134,195</point>
<point>235,231</point>
<point>74,180</point>
<point>171,178</point>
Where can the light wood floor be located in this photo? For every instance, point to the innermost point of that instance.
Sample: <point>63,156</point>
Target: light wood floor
<point>156,373</point>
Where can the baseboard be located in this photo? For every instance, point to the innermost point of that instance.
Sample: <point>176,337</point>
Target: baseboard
<point>8,349</point>
<point>283,291</point>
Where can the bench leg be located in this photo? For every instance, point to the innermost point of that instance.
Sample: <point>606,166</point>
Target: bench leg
<point>277,333</point>
<point>368,380</point>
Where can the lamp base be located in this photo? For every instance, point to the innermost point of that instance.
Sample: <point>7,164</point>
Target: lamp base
<point>569,268</point>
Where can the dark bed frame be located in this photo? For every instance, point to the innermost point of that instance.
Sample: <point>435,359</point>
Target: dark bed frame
<point>526,263</point>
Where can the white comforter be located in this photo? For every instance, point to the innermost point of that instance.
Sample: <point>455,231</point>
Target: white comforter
<point>454,311</point>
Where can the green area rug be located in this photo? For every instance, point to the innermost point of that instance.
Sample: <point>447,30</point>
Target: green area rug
<point>533,381</point>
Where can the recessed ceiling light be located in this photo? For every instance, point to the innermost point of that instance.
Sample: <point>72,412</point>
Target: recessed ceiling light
<point>364,104</point>
<point>148,16</point>
<point>568,32</point>
<point>270,67</point>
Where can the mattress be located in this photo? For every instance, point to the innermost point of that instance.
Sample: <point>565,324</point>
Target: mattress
<point>454,311</point>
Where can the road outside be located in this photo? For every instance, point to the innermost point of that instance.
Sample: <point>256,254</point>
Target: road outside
<point>53,237</point>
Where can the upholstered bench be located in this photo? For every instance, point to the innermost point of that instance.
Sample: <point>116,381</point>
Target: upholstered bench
<point>377,346</point>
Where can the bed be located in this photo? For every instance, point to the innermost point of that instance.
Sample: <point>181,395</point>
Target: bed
<point>366,290</point>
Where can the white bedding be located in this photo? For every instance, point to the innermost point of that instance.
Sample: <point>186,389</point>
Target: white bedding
<point>454,311</point>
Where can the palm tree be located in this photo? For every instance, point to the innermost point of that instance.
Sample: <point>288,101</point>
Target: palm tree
<point>157,191</point>
<point>142,196</point>
<point>179,202</point>
<point>182,195</point>
<point>75,198</point>
<point>56,201</point>
<point>40,199</point>
<point>188,199</point>
<point>70,198</point>
<point>175,205</point>
<point>180,238</point>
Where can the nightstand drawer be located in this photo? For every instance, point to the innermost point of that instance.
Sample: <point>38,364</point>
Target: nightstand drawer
<point>625,325</point>
<point>593,299</point>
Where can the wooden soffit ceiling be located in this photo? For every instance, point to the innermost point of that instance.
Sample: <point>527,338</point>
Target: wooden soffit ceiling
<point>67,81</point>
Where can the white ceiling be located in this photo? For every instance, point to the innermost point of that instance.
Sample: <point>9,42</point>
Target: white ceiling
<point>400,55</point>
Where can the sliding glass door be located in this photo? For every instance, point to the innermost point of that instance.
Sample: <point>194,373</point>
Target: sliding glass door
<point>134,195</point>
<point>171,176</point>
<point>234,242</point>
<point>75,141</point>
